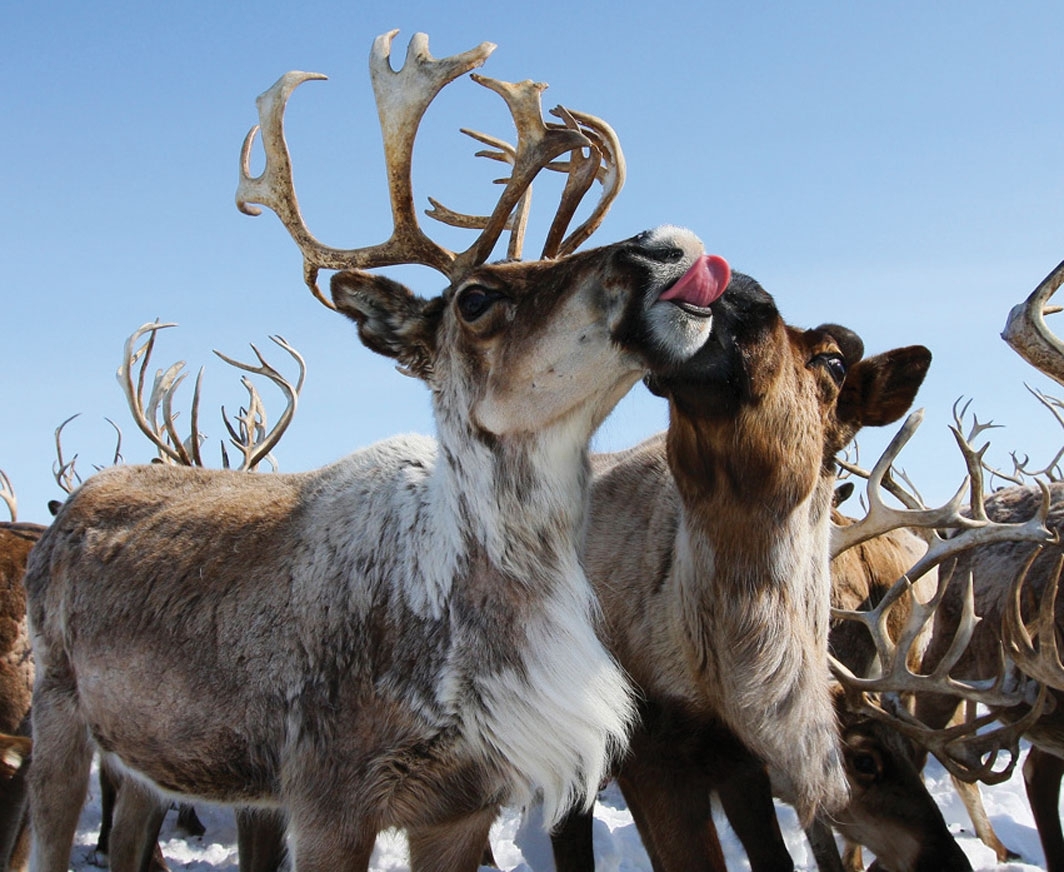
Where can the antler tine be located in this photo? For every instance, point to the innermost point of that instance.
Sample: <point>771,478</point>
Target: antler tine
<point>63,470</point>
<point>880,517</point>
<point>518,219</point>
<point>1042,662</point>
<point>582,168</point>
<point>963,750</point>
<point>402,97</point>
<point>1028,335</point>
<point>7,494</point>
<point>607,160</point>
<point>163,436</point>
<point>537,146</point>
<point>253,439</point>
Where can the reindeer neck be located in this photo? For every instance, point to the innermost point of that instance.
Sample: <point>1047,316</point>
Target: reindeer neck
<point>747,511</point>
<point>522,498</point>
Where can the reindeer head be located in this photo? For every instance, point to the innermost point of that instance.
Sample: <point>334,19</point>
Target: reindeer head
<point>763,408</point>
<point>517,346</point>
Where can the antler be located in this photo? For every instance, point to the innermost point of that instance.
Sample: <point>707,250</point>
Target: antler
<point>64,471</point>
<point>251,434</point>
<point>402,97</point>
<point>957,514</point>
<point>968,751</point>
<point>602,162</point>
<point>1028,335</point>
<point>163,435</point>
<point>7,494</point>
<point>1042,661</point>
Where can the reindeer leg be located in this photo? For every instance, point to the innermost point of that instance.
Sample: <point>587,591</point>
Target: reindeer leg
<point>109,780</point>
<point>14,834</point>
<point>454,847</point>
<point>1041,775</point>
<point>746,796</point>
<point>321,842</point>
<point>572,842</point>
<point>188,821</point>
<point>138,817</point>
<point>59,776</point>
<point>260,839</point>
<point>670,802</point>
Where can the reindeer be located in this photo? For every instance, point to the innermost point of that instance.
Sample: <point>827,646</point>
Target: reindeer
<point>254,439</point>
<point>16,680</point>
<point>708,549</point>
<point>405,637</point>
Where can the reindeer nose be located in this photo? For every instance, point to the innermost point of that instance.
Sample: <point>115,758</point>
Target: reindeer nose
<point>664,253</point>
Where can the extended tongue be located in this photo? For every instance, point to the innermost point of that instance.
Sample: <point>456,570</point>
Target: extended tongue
<point>704,282</point>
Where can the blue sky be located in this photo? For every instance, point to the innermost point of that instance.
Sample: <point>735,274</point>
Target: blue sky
<point>895,167</point>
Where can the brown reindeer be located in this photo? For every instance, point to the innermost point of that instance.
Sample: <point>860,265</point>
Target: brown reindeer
<point>16,682</point>
<point>708,549</point>
<point>405,637</point>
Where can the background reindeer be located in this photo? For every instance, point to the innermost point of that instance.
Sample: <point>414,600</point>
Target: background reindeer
<point>16,680</point>
<point>1014,594</point>
<point>412,644</point>
<point>155,415</point>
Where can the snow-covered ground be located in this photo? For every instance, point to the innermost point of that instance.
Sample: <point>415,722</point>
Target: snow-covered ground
<point>521,845</point>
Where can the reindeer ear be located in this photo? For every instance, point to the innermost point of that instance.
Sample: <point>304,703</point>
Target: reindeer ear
<point>880,389</point>
<point>391,320</point>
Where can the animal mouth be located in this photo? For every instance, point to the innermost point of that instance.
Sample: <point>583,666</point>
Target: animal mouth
<point>703,283</point>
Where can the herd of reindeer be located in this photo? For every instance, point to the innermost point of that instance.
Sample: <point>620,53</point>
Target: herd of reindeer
<point>432,629</point>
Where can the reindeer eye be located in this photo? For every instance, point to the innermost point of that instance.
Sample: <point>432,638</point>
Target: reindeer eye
<point>475,300</point>
<point>834,363</point>
<point>865,764</point>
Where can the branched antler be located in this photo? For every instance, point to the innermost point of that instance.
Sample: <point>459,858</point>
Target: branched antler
<point>252,436</point>
<point>957,513</point>
<point>1035,647</point>
<point>64,471</point>
<point>402,97</point>
<point>162,434</point>
<point>970,750</point>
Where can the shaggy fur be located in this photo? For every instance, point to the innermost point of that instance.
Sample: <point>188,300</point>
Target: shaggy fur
<point>16,685</point>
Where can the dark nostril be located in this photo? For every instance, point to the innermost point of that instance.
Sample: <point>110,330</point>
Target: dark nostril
<point>662,253</point>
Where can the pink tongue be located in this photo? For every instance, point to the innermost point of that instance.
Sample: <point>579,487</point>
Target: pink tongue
<point>702,283</point>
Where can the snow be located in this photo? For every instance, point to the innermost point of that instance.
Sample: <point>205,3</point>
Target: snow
<point>520,844</point>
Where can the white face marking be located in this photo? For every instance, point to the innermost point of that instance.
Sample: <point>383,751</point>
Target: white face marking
<point>676,333</point>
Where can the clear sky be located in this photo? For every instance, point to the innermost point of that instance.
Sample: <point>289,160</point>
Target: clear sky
<point>895,167</point>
